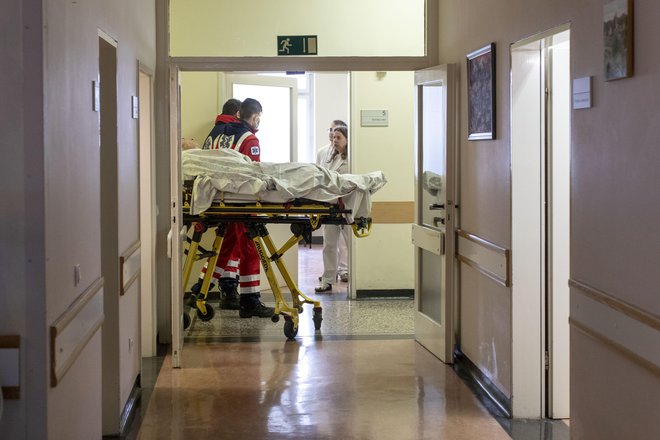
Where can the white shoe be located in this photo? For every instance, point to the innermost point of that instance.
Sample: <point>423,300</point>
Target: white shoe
<point>343,277</point>
<point>323,287</point>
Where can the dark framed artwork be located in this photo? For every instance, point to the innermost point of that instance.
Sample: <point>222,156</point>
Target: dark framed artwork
<point>618,39</point>
<point>481,93</point>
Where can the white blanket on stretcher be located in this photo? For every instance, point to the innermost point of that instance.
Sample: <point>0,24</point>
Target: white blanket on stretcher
<point>228,171</point>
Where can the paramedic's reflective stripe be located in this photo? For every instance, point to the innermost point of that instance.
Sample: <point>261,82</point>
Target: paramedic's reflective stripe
<point>230,272</point>
<point>224,141</point>
<point>231,269</point>
<point>249,283</point>
<point>240,140</point>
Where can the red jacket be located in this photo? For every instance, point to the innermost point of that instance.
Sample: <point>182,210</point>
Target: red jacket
<point>230,132</point>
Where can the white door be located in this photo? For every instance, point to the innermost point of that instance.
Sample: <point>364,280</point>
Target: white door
<point>177,230</point>
<point>435,209</point>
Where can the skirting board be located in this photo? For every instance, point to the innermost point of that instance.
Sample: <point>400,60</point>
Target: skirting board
<point>385,294</point>
<point>481,385</point>
<point>130,409</point>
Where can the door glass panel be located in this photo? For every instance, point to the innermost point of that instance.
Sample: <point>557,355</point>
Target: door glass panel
<point>432,195</point>
<point>275,127</point>
<point>433,172</point>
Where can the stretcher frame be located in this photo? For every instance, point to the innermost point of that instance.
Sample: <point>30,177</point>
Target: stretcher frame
<point>303,215</point>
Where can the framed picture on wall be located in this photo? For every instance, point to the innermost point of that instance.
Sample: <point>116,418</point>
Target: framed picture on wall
<point>618,39</point>
<point>481,93</point>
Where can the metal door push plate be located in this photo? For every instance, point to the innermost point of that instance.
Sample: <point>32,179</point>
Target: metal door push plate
<point>430,240</point>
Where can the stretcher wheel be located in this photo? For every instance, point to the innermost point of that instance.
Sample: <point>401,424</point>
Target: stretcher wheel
<point>289,331</point>
<point>186,321</point>
<point>275,318</point>
<point>317,318</point>
<point>209,313</point>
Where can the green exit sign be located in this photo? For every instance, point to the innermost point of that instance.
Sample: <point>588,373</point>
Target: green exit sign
<point>296,45</point>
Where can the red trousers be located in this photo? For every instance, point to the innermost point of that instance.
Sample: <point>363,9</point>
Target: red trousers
<point>238,259</point>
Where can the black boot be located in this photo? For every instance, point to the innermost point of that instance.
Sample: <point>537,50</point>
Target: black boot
<point>251,306</point>
<point>229,299</point>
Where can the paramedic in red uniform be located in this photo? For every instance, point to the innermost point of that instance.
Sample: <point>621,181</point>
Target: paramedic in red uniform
<point>227,280</point>
<point>240,135</point>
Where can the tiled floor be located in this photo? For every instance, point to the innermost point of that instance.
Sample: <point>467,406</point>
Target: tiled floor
<point>341,317</point>
<point>362,376</point>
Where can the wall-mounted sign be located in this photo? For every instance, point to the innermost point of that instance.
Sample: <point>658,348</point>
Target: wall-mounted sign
<point>297,45</point>
<point>374,118</point>
<point>582,92</point>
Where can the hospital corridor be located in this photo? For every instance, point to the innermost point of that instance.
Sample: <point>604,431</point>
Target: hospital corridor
<point>312,219</point>
<point>362,377</point>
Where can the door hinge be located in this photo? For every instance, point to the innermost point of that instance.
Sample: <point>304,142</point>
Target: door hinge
<point>547,360</point>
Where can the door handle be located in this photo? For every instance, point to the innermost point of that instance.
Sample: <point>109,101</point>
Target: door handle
<point>434,206</point>
<point>437,220</point>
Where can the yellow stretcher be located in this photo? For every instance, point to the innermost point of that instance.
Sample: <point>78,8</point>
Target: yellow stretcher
<point>303,215</point>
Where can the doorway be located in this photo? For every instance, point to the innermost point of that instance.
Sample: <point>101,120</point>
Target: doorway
<point>106,92</point>
<point>540,164</point>
<point>147,216</point>
<point>371,87</point>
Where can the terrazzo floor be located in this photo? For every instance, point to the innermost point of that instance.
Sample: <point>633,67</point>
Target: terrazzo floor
<point>345,318</point>
<point>342,317</point>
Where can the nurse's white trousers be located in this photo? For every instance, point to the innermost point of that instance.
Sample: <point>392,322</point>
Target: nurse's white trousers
<point>335,252</point>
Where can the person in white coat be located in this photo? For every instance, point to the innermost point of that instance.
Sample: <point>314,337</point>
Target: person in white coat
<point>335,237</point>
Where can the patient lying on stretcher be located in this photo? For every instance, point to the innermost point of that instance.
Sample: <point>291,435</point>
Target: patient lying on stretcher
<point>227,171</point>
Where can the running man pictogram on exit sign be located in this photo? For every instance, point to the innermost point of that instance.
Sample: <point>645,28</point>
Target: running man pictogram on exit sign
<point>297,45</point>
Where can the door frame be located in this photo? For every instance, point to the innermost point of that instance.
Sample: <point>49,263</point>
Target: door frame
<point>164,109</point>
<point>441,345</point>
<point>176,65</point>
<point>147,171</point>
<point>175,247</point>
<point>532,376</point>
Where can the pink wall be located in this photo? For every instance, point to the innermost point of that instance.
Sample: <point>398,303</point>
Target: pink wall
<point>50,170</point>
<point>615,204</point>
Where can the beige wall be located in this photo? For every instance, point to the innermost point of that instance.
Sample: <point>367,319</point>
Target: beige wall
<point>331,95</point>
<point>248,28</point>
<point>200,103</point>
<point>614,162</point>
<point>389,149</point>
